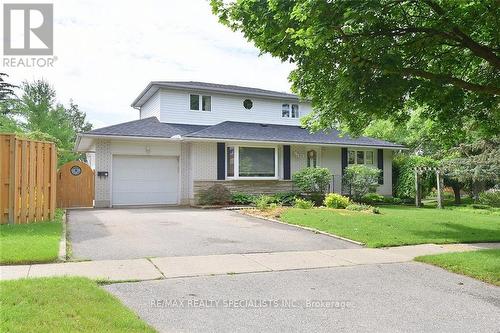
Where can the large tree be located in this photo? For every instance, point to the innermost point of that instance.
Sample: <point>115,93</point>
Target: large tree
<point>362,60</point>
<point>44,118</point>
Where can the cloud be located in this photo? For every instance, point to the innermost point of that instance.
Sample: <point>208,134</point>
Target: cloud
<point>109,50</point>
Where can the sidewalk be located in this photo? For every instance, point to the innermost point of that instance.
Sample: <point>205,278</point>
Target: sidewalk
<point>173,267</point>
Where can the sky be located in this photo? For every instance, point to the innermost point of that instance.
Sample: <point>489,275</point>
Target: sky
<point>108,51</point>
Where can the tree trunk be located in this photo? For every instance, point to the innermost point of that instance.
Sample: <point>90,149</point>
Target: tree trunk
<point>477,187</point>
<point>456,191</point>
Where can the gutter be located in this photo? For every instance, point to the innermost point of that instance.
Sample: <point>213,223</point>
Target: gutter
<point>189,139</point>
<point>123,138</point>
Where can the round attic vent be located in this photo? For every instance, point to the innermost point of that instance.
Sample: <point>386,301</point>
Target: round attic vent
<point>248,104</point>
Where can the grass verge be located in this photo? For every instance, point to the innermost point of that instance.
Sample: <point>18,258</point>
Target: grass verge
<point>31,243</point>
<point>483,265</point>
<point>63,305</point>
<point>400,225</point>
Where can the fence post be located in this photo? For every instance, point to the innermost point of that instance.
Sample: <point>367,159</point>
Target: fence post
<point>13,181</point>
<point>439,183</point>
<point>418,200</point>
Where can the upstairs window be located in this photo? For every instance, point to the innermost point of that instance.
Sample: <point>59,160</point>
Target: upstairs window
<point>285,110</point>
<point>195,101</point>
<point>290,110</point>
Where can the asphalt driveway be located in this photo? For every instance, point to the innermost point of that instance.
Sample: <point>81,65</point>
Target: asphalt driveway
<point>409,297</point>
<point>98,234</point>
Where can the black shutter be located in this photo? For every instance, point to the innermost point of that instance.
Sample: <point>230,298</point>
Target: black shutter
<point>286,162</point>
<point>221,161</point>
<point>344,159</point>
<point>380,165</point>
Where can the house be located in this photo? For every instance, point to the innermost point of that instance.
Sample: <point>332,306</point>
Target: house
<point>191,135</point>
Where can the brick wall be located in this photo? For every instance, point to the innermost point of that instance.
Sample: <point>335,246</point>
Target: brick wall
<point>246,186</point>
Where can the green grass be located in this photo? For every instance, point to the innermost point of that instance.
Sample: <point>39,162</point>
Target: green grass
<point>31,243</point>
<point>402,225</point>
<point>483,265</point>
<point>63,305</point>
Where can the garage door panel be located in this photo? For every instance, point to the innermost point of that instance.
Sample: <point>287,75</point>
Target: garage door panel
<point>141,180</point>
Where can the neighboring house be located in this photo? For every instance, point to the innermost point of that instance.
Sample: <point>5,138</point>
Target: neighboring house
<point>192,135</point>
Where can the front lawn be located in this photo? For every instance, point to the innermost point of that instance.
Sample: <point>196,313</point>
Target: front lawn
<point>483,265</point>
<point>401,225</point>
<point>63,305</point>
<point>31,243</point>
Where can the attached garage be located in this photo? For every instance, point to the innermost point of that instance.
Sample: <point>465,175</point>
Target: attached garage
<point>145,180</point>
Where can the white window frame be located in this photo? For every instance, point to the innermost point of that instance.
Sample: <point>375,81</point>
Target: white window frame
<point>364,156</point>
<point>237,162</point>
<point>200,103</point>
<point>290,109</point>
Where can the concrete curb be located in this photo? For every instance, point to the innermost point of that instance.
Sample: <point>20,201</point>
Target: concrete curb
<point>62,242</point>
<point>245,212</point>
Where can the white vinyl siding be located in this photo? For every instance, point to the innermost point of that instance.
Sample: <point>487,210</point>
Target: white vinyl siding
<point>151,108</point>
<point>175,108</point>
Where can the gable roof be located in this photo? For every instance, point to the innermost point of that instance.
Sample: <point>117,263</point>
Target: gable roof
<point>154,86</point>
<point>148,127</point>
<point>230,130</point>
<point>239,131</point>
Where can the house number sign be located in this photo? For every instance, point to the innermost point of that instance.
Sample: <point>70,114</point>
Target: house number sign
<point>75,170</point>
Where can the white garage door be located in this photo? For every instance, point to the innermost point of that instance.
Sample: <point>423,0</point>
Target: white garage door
<point>144,180</point>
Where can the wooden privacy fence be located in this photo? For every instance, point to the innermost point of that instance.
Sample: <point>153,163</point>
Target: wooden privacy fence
<point>28,176</point>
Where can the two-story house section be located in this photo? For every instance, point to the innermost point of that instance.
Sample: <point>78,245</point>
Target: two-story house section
<point>191,135</point>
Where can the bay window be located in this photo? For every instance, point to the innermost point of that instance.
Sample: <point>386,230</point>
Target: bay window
<point>251,162</point>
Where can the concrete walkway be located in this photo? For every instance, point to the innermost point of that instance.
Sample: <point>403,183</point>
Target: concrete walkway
<point>173,267</point>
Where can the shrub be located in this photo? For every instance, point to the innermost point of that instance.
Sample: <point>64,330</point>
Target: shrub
<point>480,206</point>
<point>359,179</point>
<point>404,176</point>
<point>263,202</point>
<point>216,194</point>
<point>285,198</point>
<point>317,198</point>
<point>491,198</point>
<point>303,204</point>
<point>362,207</point>
<point>396,201</point>
<point>311,180</point>
<point>334,200</point>
<point>371,198</point>
<point>274,205</point>
<point>242,198</point>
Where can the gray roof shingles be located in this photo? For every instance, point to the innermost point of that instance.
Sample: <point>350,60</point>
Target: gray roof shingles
<point>282,133</point>
<point>230,130</point>
<point>147,127</point>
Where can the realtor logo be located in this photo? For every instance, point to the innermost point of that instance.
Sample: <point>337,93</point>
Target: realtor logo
<point>28,29</point>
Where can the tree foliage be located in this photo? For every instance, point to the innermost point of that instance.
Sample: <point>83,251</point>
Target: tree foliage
<point>364,60</point>
<point>37,115</point>
<point>7,95</point>
<point>475,164</point>
<point>404,175</point>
